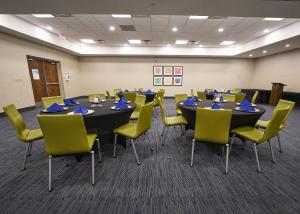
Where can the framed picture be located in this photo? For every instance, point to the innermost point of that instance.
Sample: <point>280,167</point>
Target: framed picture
<point>168,70</point>
<point>177,80</point>
<point>157,80</point>
<point>178,70</point>
<point>157,70</point>
<point>168,80</point>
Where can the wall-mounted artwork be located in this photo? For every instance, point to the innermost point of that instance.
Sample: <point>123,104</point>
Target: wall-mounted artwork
<point>177,80</point>
<point>168,70</point>
<point>168,81</point>
<point>167,75</point>
<point>157,80</point>
<point>178,70</point>
<point>157,70</point>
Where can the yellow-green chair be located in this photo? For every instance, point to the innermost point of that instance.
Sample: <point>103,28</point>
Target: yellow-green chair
<point>130,96</point>
<point>66,135</point>
<point>116,91</point>
<point>179,98</point>
<point>108,95</point>
<point>257,137</point>
<point>171,121</point>
<point>235,90</point>
<point>192,93</point>
<point>209,89</point>
<point>229,97</point>
<point>140,89</point>
<point>240,97</point>
<point>201,95</point>
<point>253,101</point>
<point>212,126</point>
<point>139,101</point>
<point>101,96</point>
<point>160,94</point>
<point>23,134</point>
<point>281,104</point>
<point>48,101</point>
<point>135,130</point>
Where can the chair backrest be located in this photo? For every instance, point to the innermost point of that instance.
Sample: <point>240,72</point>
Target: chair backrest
<point>192,92</point>
<point>253,101</point>
<point>235,90</point>
<point>100,95</point>
<point>277,119</point>
<point>161,94</point>
<point>64,134</point>
<point>179,98</point>
<point>130,96</point>
<point>108,95</point>
<point>145,118</point>
<point>17,121</point>
<point>285,104</point>
<point>201,95</point>
<point>229,97</point>
<point>239,97</point>
<point>48,101</point>
<point>139,101</point>
<point>212,125</point>
<point>162,111</point>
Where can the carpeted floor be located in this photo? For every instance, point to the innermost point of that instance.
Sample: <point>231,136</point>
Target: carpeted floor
<point>163,183</point>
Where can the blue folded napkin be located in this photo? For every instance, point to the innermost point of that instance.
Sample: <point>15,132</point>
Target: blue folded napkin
<point>55,108</point>
<point>81,109</point>
<point>148,91</point>
<point>121,104</point>
<point>215,106</point>
<point>126,90</point>
<point>215,91</point>
<point>246,106</point>
<point>228,92</point>
<point>123,99</point>
<point>120,92</point>
<point>69,102</point>
<point>188,102</point>
<point>195,99</point>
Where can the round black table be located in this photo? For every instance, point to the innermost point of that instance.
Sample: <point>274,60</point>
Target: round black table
<point>238,118</point>
<point>149,96</point>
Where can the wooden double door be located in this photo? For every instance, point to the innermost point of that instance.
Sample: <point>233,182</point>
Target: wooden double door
<point>44,78</point>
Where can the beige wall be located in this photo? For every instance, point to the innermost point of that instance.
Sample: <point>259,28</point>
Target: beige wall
<point>284,67</point>
<point>101,73</point>
<point>15,83</point>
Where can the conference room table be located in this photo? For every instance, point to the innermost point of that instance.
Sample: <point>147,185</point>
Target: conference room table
<point>238,119</point>
<point>149,96</point>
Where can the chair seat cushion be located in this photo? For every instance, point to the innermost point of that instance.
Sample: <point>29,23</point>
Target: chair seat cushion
<point>249,133</point>
<point>135,115</point>
<point>177,120</point>
<point>127,130</point>
<point>91,140</point>
<point>34,134</point>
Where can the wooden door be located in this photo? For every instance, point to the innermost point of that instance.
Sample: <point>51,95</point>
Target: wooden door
<point>51,77</point>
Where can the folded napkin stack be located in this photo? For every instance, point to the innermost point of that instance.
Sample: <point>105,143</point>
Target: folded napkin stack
<point>55,108</point>
<point>215,106</point>
<point>70,102</point>
<point>228,92</point>
<point>195,99</point>
<point>148,91</point>
<point>81,110</point>
<point>122,104</point>
<point>188,102</point>
<point>246,106</point>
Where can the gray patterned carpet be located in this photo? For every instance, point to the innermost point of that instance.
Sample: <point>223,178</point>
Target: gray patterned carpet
<point>163,183</point>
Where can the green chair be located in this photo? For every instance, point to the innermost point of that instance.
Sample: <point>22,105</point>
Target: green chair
<point>66,135</point>
<point>48,101</point>
<point>108,95</point>
<point>139,101</point>
<point>229,97</point>
<point>179,98</point>
<point>116,91</point>
<point>23,134</point>
<point>192,93</point>
<point>130,96</point>
<point>212,126</point>
<point>281,104</point>
<point>235,90</point>
<point>253,101</point>
<point>257,137</point>
<point>160,94</point>
<point>135,130</point>
<point>101,96</point>
<point>201,95</point>
<point>171,121</point>
<point>240,97</point>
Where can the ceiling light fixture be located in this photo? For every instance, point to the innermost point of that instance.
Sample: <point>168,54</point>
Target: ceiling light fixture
<point>287,45</point>
<point>125,44</point>
<point>121,15</point>
<point>135,41</point>
<point>169,45</point>
<point>88,41</point>
<point>43,15</point>
<point>174,29</point>
<point>227,43</point>
<point>250,55</point>
<point>181,42</point>
<point>112,28</point>
<point>200,46</point>
<point>198,17</point>
<point>264,51</point>
<point>220,30</point>
<point>272,19</point>
<point>266,30</point>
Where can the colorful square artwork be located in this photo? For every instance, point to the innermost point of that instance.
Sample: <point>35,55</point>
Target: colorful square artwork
<point>168,70</point>
<point>157,70</point>
<point>168,80</point>
<point>177,80</point>
<point>178,70</point>
<point>157,80</point>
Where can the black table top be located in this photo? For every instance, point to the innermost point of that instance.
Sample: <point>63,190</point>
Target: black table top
<point>149,96</point>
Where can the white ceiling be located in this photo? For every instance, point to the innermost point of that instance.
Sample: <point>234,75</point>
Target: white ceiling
<point>158,29</point>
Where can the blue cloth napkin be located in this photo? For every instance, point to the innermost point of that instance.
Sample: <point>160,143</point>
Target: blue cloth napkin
<point>148,91</point>
<point>122,104</point>
<point>215,106</point>
<point>126,90</point>
<point>120,92</point>
<point>81,109</point>
<point>195,99</point>
<point>69,102</point>
<point>228,92</point>
<point>215,91</point>
<point>55,108</point>
<point>123,99</point>
<point>188,102</point>
<point>246,106</point>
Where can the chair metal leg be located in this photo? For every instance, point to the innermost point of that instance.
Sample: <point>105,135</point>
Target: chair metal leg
<point>256,156</point>
<point>50,173</point>
<point>147,134</point>
<point>30,146</point>
<point>26,155</point>
<point>99,151</point>
<point>227,157</point>
<point>186,142</point>
<point>162,134</point>
<point>279,143</point>
<point>180,130</point>
<point>67,163</point>
<point>115,145</point>
<point>136,156</point>
<point>165,136</point>
<point>93,167</point>
<point>192,156</point>
<point>271,150</point>
<point>230,146</point>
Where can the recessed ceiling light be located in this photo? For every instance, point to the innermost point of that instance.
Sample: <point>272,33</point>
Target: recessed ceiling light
<point>121,15</point>
<point>49,28</point>
<point>227,43</point>
<point>174,29</point>
<point>135,41</point>
<point>88,41</point>
<point>169,45</point>
<point>198,17</point>
<point>266,30</point>
<point>264,51</point>
<point>200,46</point>
<point>112,28</point>
<point>287,45</point>
<point>272,19</point>
<point>43,15</point>
<point>181,42</point>
<point>250,55</point>
<point>125,44</point>
<point>220,30</point>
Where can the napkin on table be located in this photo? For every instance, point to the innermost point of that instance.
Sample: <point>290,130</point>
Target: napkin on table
<point>215,106</point>
<point>80,109</point>
<point>69,102</point>
<point>246,106</point>
<point>228,92</point>
<point>126,90</point>
<point>195,99</point>
<point>55,108</point>
<point>188,102</point>
<point>122,104</point>
<point>120,92</point>
<point>148,91</point>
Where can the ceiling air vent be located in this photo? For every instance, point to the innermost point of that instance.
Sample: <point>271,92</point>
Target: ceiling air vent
<point>146,41</point>
<point>100,41</point>
<point>127,27</point>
